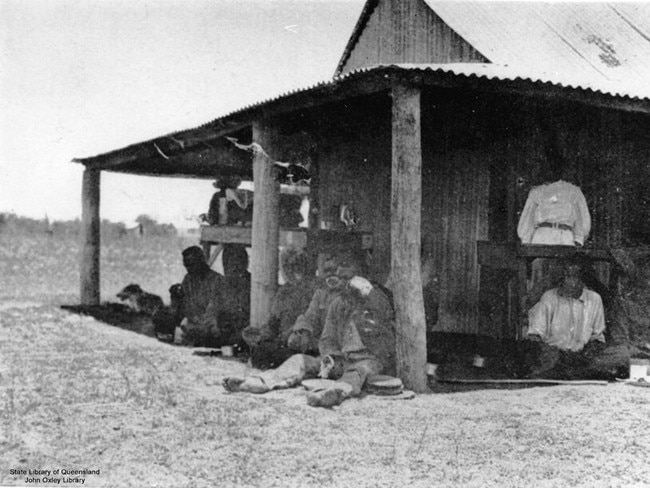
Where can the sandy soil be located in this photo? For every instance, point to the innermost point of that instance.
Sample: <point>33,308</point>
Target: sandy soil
<point>76,394</point>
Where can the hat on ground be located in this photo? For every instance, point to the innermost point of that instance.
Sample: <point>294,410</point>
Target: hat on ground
<point>384,385</point>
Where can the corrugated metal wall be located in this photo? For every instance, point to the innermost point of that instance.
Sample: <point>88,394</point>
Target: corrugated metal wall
<point>408,32</point>
<point>476,149</point>
<point>355,169</point>
<point>456,187</point>
<point>606,153</point>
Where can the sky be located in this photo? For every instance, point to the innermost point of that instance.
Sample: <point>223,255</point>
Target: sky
<point>83,77</point>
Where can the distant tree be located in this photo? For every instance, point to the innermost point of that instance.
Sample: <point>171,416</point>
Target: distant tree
<point>146,221</point>
<point>151,227</point>
<point>12,224</point>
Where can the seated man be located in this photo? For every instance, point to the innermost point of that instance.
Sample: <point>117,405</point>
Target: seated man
<point>568,323</point>
<point>358,339</point>
<point>166,319</point>
<point>234,313</point>
<point>308,327</point>
<point>201,300</point>
<point>269,344</point>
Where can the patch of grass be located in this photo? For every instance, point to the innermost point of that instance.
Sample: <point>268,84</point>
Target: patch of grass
<point>46,268</point>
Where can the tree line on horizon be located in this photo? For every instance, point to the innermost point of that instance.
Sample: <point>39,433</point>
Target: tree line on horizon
<point>11,223</point>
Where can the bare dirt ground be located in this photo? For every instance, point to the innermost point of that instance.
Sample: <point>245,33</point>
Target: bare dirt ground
<point>76,393</point>
<point>79,394</point>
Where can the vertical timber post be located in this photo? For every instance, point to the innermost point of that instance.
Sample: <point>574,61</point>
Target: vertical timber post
<point>406,201</point>
<point>266,229</point>
<point>90,191</point>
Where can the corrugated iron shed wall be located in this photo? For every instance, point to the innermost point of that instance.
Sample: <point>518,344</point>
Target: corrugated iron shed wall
<point>407,32</point>
<point>476,147</point>
<point>457,186</point>
<point>455,204</point>
<point>355,169</point>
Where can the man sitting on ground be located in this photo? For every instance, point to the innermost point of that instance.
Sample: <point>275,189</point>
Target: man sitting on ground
<point>202,296</point>
<point>358,340</point>
<point>269,344</point>
<point>568,323</point>
<point>308,327</point>
<point>234,313</point>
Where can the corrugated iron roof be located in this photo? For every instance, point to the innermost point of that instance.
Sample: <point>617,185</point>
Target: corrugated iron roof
<point>479,70</point>
<point>595,45</point>
<point>588,47</point>
<point>458,71</point>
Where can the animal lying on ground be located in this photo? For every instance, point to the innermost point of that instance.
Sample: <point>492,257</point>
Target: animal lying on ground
<point>139,300</point>
<point>165,319</point>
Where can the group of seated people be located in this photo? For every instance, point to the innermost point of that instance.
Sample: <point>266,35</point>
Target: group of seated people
<point>347,333</point>
<point>209,307</point>
<point>339,315</point>
<point>340,325</point>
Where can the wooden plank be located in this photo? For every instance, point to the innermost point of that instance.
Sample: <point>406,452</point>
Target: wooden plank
<point>532,381</point>
<point>303,190</point>
<point>243,235</point>
<point>265,233</point>
<point>505,254</point>
<point>332,240</point>
<point>497,255</point>
<point>406,198</point>
<point>520,323</point>
<point>90,225</point>
<point>212,252</point>
<point>544,251</point>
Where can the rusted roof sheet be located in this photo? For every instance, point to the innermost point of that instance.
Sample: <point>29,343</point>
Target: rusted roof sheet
<point>591,45</point>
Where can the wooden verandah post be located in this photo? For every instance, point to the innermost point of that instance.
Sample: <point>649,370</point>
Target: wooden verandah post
<point>266,229</point>
<point>90,195</point>
<point>406,199</point>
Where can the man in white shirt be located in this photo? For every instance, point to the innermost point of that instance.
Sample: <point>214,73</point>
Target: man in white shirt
<point>568,317</point>
<point>568,322</point>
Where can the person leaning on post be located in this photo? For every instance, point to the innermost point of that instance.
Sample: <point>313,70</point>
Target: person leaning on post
<point>269,344</point>
<point>358,340</point>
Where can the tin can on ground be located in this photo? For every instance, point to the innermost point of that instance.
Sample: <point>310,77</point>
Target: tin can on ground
<point>178,335</point>
<point>431,369</point>
<point>638,368</point>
